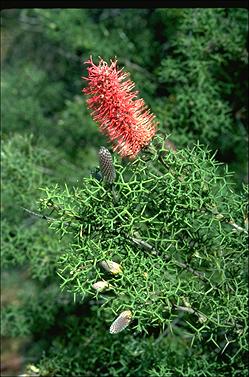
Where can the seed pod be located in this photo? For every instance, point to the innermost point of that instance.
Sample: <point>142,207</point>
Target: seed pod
<point>106,166</point>
<point>112,267</point>
<point>100,286</point>
<point>121,322</point>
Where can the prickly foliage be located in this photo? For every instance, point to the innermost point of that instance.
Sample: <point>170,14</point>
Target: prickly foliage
<point>174,226</point>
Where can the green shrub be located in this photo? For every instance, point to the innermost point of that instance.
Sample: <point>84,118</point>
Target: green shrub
<point>177,229</point>
<point>174,221</point>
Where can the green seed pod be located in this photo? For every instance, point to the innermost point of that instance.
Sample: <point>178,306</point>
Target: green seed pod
<point>112,267</point>
<point>106,165</point>
<point>121,322</point>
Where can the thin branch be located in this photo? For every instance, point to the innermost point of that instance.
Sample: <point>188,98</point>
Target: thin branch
<point>237,227</point>
<point>145,245</point>
<point>221,218</point>
<point>185,309</point>
<point>190,269</point>
<point>39,215</point>
<point>44,217</point>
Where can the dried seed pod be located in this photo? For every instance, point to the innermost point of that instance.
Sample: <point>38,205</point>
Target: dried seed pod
<point>112,267</point>
<point>106,165</point>
<point>121,322</point>
<point>100,286</point>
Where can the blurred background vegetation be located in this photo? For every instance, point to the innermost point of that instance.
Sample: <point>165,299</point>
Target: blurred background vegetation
<point>190,66</point>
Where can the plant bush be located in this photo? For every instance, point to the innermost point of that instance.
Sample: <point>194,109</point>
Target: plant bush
<point>174,219</point>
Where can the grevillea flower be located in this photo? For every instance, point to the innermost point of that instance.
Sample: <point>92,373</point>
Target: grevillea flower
<point>124,119</point>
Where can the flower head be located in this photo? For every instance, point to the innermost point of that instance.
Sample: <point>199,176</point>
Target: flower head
<point>123,118</point>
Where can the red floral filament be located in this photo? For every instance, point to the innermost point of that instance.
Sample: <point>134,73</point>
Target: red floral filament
<point>125,120</point>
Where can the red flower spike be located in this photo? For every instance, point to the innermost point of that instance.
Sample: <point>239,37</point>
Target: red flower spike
<point>125,120</point>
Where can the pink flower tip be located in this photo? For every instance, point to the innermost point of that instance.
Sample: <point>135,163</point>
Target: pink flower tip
<point>124,119</point>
